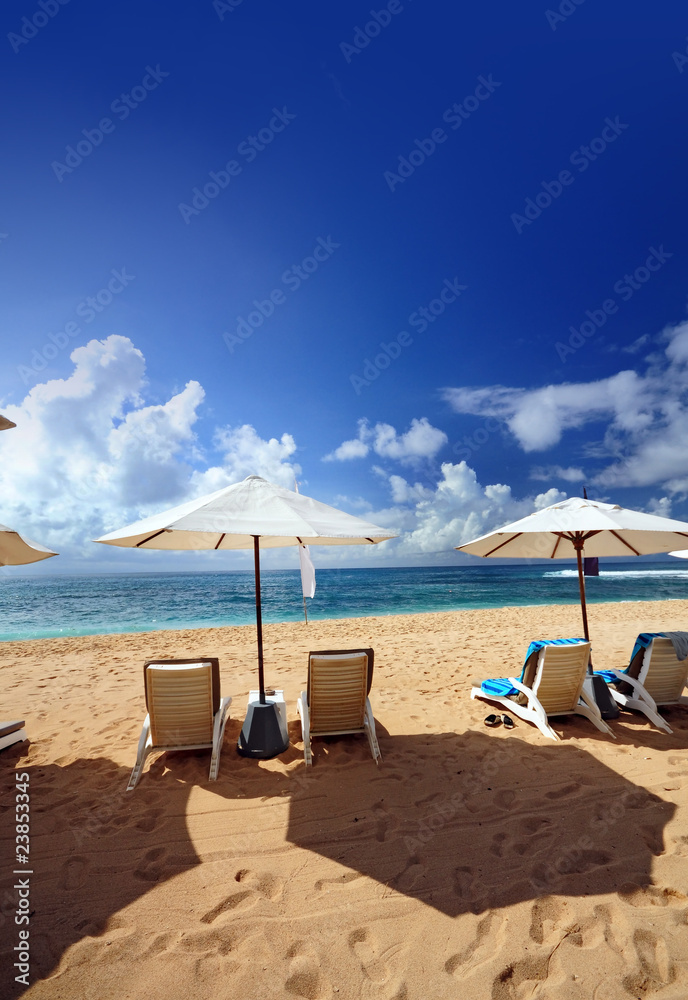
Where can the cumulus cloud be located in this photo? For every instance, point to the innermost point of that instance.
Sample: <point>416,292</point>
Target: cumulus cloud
<point>245,453</point>
<point>457,509</point>
<point>547,472</point>
<point>89,453</point>
<point>643,417</point>
<point>420,442</point>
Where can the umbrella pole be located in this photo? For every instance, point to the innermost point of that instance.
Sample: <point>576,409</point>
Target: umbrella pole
<point>259,617</point>
<point>305,610</point>
<point>264,732</point>
<point>581,583</point>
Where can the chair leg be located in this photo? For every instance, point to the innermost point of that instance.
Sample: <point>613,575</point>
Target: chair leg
<point>600,724</point>
<point>588,707</point>
<point>144,749</point>
<point>544,727</point>
<point>218,735</point>
<point>370,732</point>
<point>641,706</point>
<point>302,706</point>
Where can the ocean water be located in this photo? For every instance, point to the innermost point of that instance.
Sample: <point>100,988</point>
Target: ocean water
<point>42,606</point>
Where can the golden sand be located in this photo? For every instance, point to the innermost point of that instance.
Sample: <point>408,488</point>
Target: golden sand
<point>473,862</point>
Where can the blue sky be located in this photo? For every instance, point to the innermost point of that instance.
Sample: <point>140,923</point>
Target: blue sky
<point>503,171</point>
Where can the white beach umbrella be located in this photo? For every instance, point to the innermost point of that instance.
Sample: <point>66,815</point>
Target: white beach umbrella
<point>251,514</point>
<point>578,527</point>
<point>681,554</point>
<point>15,550</point>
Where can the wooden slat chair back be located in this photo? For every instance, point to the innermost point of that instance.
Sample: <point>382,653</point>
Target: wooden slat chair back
<point>663,675</point>
<point>559,677</point>
<point>336,701</point>
<point>337,692</point>
<point>180,704</point>
<point>185,710</point>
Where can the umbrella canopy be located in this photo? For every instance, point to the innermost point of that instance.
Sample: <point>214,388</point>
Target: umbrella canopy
<point>18,551</point>
<point>232,517</point>
<point>5,424</point>
<point>572,527</point>
<point>246,515</point>
<point>681,554</point>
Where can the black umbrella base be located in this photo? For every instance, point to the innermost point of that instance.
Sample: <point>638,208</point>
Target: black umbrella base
<point>264,733</point>
<point>606,704</point>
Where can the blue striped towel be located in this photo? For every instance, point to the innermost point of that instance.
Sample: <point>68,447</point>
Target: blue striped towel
<point>501,687</point>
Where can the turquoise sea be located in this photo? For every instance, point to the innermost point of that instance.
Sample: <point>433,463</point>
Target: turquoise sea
<point>41,606</point>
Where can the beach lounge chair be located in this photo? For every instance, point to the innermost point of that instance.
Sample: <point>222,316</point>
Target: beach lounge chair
<point>551,683</point>
<point>11,732</point>
<point>185,710</point>
<point>336,702</point>
<point>654,676</point>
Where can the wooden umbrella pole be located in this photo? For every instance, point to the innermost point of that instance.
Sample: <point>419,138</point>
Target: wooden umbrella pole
<point>259,618</point>
<point>578,545</point>
<point>305,611</point>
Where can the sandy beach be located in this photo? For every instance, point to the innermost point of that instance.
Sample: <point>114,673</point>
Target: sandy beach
<point>472,862</point>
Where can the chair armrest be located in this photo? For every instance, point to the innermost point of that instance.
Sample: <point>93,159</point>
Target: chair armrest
<point>528,692</point>
<point>590,702</point>
<point>639,689</point>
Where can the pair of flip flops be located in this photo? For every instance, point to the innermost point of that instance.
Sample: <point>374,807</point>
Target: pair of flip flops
<point>495,720</point>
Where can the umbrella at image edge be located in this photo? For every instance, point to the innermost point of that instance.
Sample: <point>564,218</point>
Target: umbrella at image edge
<point>15,550</point>
<point>247,515</point>
<point>576,527</point>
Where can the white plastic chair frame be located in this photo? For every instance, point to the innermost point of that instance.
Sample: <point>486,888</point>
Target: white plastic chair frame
<point>181,695</point>
<point>10,733</point>
<point>661,679</point>
<point>339,703</point>
<point>557,689</point>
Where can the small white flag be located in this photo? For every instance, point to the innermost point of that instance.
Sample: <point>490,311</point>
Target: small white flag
<point>307,572</point>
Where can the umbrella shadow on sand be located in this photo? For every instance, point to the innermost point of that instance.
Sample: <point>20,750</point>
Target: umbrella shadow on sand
<point>464,823</point>
<point>471,823</point>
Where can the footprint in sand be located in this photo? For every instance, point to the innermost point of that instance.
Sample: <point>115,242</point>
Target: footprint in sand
<point>149,822</point>
<point>269,886</point>
<point>545,917</point>
<point>650,895</point>
<point>366,948</point>
<point>256,887</point>
<point>383,822</point>
<point>73,873</point>
<point>504,799</point>
<point>305,977</point>
<point>498,844</point>
<point>656,969</point>
<point>465,887</point>
<point>407,880</point>
<point>339,882</point>
<point>489,937</point>
<point>560,793</point>
<point>510,981</point>
<point>149,871</point>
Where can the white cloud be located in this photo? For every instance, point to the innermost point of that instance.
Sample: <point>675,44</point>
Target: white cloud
<point>547,472</point>
<point>403,492</point>
<point>245,453</point>
<point>660,506</point>
<point>420,442</point>
<point>90,454</point>
<point>637,344</point>
<point>644,417</point>
<point>457,510</point>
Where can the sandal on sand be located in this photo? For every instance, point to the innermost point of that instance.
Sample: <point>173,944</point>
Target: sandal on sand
<point>508,722</point>
<point>493,720</point>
